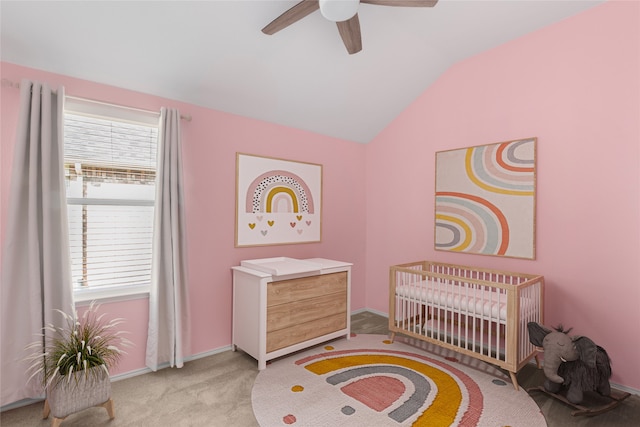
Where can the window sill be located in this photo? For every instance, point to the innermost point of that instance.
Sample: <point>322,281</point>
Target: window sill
<point>84,297</point>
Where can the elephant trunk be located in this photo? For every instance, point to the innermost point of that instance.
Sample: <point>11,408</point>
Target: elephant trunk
<point>551,370</point>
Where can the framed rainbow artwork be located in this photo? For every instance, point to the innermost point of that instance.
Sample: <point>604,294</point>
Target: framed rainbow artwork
<point>486,199</point>
<point>277,201</point>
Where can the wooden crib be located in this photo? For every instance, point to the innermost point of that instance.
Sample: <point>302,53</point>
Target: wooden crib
<point>474,311</point>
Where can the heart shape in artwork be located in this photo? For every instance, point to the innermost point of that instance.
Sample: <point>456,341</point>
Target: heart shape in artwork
<point>252,225</point>
<point>299,231</point>
<point>259,217</point>
<point>308,222</point>
<point>264,232</point>
<point>299,217</point>
<point>270,223</point>
<point>292,224</point>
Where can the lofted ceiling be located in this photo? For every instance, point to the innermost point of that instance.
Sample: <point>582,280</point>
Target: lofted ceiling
<point>213,54</point>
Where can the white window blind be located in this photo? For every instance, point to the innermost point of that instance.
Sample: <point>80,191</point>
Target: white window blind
<point>110,168</point>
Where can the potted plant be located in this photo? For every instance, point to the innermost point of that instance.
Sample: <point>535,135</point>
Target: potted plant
<point>74,367</point>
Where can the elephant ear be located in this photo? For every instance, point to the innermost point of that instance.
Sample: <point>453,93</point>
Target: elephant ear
<point>537,332</point>
<point>587,349</point>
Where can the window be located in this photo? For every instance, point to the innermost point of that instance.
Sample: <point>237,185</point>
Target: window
<point>110,169</point>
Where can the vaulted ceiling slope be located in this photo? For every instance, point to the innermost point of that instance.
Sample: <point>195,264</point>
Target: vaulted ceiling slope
<point>213,53</point>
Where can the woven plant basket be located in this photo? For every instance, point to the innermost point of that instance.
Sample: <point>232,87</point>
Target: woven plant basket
<point>85,390</point>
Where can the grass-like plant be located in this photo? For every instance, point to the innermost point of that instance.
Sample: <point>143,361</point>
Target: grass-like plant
<point>72,350</point>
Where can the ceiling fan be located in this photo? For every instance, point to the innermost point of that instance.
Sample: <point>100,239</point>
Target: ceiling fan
<point>343,12</point>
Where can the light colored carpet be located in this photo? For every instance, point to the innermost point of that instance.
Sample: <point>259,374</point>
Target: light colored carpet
<point>370,381</point>
<point>216,391</point>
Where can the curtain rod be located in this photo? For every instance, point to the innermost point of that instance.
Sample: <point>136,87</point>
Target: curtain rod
<point>8,83</point>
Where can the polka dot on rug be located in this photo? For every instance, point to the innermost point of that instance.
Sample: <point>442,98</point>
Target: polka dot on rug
<point>348,410</point>
<point>289,419</point>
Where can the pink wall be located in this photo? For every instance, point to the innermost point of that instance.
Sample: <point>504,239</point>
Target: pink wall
<point>575,86</point>
<point>210,143</point>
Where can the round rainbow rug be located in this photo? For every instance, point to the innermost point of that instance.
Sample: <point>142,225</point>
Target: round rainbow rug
<point>369,381</point>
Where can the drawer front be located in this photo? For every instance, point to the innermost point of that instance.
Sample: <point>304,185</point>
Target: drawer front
<point>302,332</point>
<point>305,288</point>
<point>296,312</point>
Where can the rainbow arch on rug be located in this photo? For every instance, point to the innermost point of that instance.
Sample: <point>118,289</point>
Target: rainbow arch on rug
<point>368,380</point>
<point>362,376</point>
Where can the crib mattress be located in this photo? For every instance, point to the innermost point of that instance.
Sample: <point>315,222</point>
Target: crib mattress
<point>478,304</point>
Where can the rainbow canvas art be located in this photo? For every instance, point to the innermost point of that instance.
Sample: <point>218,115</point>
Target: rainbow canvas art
<point>485,199</point>
<point>277,201</point>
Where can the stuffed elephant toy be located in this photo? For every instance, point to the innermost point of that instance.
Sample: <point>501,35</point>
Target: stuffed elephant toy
<point>574,362</point>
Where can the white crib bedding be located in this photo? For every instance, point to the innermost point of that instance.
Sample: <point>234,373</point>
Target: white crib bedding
<point>479,303</point>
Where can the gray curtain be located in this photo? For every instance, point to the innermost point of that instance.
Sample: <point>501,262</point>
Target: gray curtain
<point>36,270</point>
<point>168,335</point>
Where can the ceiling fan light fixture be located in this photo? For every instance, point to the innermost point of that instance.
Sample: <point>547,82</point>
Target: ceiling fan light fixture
<point>339,10</point>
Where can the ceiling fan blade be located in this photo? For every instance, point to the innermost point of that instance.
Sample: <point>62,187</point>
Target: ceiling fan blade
<point>291,16</point>
<point>402,3</point>
<point>350,33</point>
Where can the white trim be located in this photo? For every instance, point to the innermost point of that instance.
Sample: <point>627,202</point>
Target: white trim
<point>370,310</point>
<point>21,403</point>
<point>625,388</point>
<point>83,297</point>
<point>143,371</point>
<point>123,376</point>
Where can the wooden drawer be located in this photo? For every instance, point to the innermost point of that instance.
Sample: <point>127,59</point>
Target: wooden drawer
<point>296,312</point>
<point>274,315</point>
<point>305,331</point>
<point>305,288</point>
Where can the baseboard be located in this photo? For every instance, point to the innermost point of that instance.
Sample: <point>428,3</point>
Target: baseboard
<point>143,371</point>
<point>370,310</point>
<point>123,376</point>
<point>625,388</point>
<point>21,403</point>
<point>146,370</point>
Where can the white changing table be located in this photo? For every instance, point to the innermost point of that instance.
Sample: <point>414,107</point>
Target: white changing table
<point>282,305</point>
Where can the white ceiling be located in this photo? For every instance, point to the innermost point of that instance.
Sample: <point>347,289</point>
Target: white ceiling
<point>213,54</point>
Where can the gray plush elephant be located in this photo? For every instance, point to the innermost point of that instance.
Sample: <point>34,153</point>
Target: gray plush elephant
<point>574,362</point>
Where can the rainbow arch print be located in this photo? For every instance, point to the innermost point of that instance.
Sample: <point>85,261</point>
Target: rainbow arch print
<point>485,199</point>
<point>279,191</point>
<point>506,168</point>
<point>468,223</point>
<point>277,201</point>
<point>418,388</point>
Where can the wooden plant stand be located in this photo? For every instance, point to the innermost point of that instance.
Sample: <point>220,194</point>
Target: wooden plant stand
<point>607,404</point>
<point>55,422</point>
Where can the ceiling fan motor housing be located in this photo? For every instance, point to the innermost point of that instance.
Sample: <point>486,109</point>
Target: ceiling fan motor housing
<point>339,10</point>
